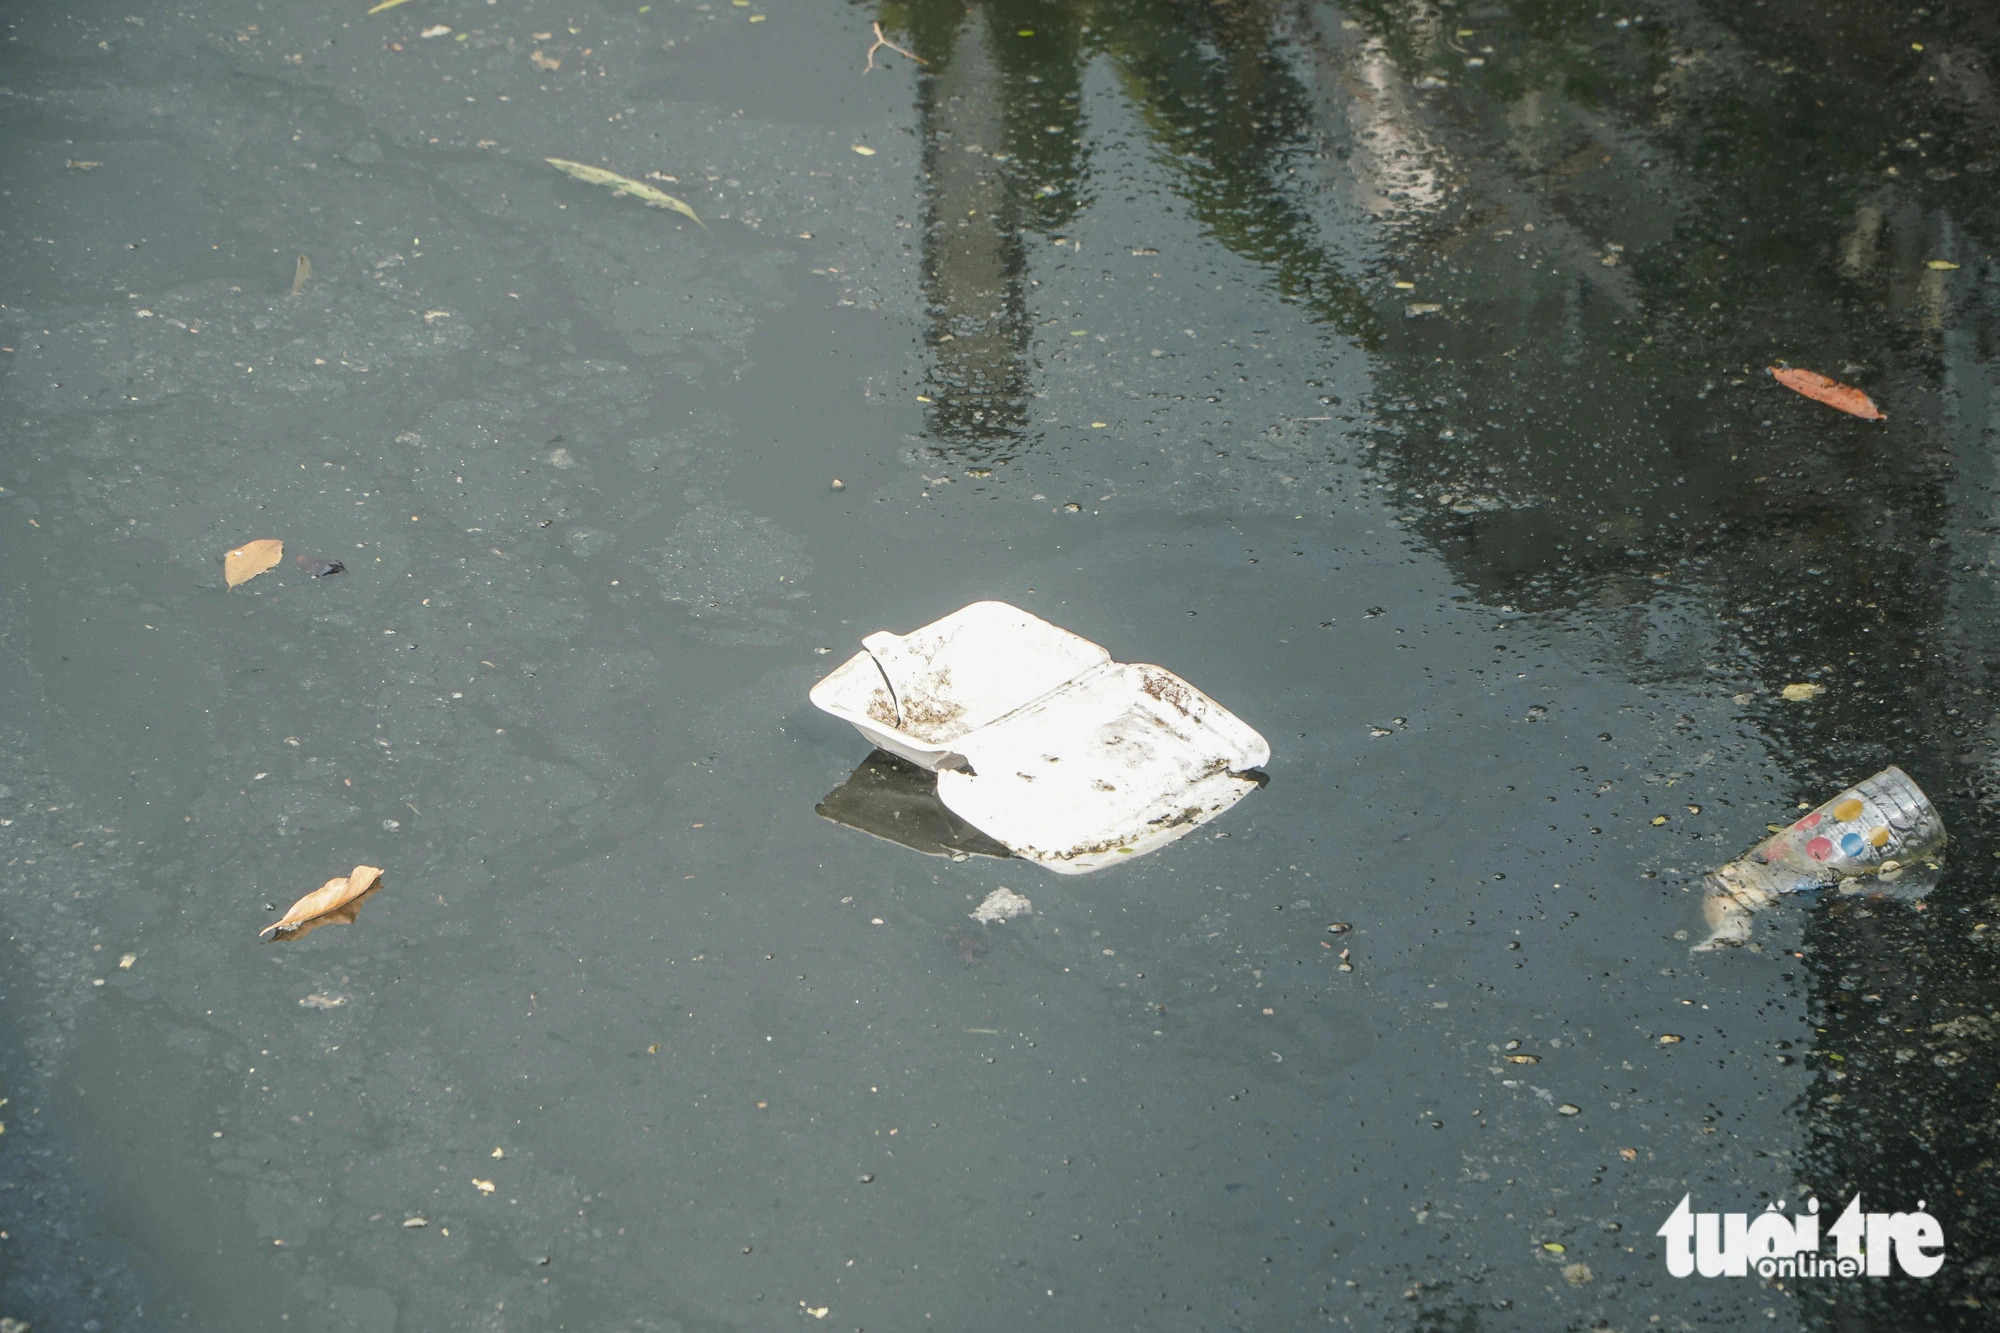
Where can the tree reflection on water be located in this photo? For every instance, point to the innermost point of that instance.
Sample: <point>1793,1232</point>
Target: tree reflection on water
<point>1006,157</point>
<point>1618,222</point>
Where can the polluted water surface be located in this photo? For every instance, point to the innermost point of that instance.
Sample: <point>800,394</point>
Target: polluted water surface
<point>1397,377</point>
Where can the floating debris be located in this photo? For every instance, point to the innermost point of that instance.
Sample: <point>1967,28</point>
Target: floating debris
<point>1872,834</point>
<point>327,899</point>
<point>1003,904</point>
<point>319,568</point>
<point>250,559</point>
<point>624,185</point>
<point>1041,741</point>
<point>882,41</point>
<point>1832,392</point>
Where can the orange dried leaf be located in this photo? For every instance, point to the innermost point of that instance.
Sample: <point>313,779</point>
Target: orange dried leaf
<point>328,897</point>
<point>250,559</point>
<point>344,915</point>
<point>1831,392</point>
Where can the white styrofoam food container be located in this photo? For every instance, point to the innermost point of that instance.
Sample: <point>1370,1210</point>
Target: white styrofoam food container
<point>1041,741</point>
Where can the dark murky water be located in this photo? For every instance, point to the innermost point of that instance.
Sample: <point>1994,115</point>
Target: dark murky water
<point>1395,373</point>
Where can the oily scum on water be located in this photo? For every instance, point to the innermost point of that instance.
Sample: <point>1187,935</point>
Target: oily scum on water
<point>1781,1245</point>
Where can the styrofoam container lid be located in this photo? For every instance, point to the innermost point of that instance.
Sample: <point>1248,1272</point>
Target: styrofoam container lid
<point>1043,742</point>
<point>1123,760</point>
<point>915,694</point>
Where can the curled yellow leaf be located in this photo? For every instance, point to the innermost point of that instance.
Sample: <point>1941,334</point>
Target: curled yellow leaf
<point>328,897</point>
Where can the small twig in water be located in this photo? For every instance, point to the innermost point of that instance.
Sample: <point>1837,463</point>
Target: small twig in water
<point>881,41</point>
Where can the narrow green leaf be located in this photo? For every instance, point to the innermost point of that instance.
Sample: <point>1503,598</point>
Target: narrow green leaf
<point>624,185</point>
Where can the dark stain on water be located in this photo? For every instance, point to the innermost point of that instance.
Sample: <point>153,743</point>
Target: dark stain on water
<point>968,946</point>
<point>1389,361</point>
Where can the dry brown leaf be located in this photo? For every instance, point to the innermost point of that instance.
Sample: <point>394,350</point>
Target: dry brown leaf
<point>339,916</point>
<point>327,899</point>
<point>250,559</point>
<point>300,272</point>
<point>319,902</point>
<point>542,62</point>
<point>1829,391</point>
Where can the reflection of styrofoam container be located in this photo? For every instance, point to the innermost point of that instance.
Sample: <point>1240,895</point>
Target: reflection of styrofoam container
<point>1043,742</point>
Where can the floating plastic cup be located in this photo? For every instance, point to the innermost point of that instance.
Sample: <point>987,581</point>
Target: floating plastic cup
<point>1876,829</point>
